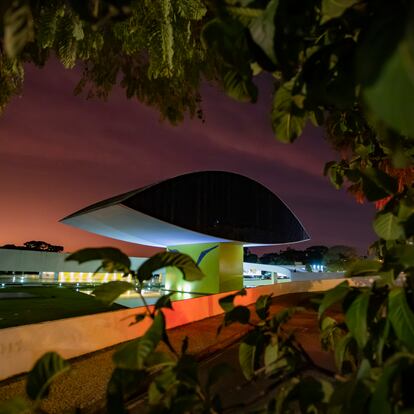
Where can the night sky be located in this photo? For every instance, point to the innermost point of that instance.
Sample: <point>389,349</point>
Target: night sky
<point>60,153</point>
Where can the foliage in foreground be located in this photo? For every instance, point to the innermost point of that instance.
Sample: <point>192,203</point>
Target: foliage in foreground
<point>372,339</point>
<point>345,65</point>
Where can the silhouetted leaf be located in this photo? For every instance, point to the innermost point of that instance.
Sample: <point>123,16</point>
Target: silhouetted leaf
<point>401,317</point>
<point>183,262</point>
<point>262,306</point>
<point>184,345</point>
<point>164,301</point>
<point>112,259</point>
<point>376,184</point>
<point>133,355</point>
<point>227,304</point>
<point>44,372</point>
<point>138,318</point>
<point>239,314</point>
<point>217,372</point>
<point>108,292</point>
<point>122,385</point>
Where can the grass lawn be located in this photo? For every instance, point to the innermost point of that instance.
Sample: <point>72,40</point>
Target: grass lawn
<point>46,304</point>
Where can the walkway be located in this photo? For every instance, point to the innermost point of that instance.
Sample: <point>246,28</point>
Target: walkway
<point>84,386</point>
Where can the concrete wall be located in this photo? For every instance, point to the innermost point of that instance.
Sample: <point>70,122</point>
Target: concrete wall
<point>298,276</point>
<point>280,270</point>
<point>33,261</point>
<point>21,346</point>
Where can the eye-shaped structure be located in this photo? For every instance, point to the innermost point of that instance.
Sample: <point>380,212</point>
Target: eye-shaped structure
<point>200,207</point>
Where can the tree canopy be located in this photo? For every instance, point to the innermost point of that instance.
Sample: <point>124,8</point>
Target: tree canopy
<point>347,66</point>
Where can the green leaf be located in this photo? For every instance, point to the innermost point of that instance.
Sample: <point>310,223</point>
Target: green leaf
<point>246,359</point>
<point>381,401</point>
<point>388,227</point>
<point>341,349</point>
<point>112,259</point>
<point>239,86</point>
<point>122,384</point>
<point>287,119</point>
<point>262,306</point>
<point>78,33</point>
<point>271,355</point>
<point>405,210</point>
<point>134,354</point>
<point>356,319</point>
<point>227,39</point>
<point>18,27</point>
<point>162,382</point>
<point>333,296</point>
<point>239,314</point>
<point>335,173</point>
<point>110,291</point>
<point>363,268</point>
<point>364,369</point>
<point>227,304</point>
<point>283,316</point>
<point>262,29</point>
<point>335,8</point>
<point>405,255</point>
<point>183,262</point>
<point>17,405</point>
<point>391,97</point>
<point>156,359</point>
<point>401,317</point>
<point>44,372</point>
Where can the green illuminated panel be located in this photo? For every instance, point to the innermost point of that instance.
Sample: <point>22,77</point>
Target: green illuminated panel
<point>221,263</point>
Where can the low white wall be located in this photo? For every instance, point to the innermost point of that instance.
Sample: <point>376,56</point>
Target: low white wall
<point>281,270</point>
<point>21,346</point>
<point>33,261</point>
<point>299,276</point>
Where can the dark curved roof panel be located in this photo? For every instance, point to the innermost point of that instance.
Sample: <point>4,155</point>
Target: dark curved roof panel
<point>219,204</point>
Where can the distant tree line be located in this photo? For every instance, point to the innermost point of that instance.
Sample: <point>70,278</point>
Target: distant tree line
<point>335,258</point>
<point>37,245</point>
